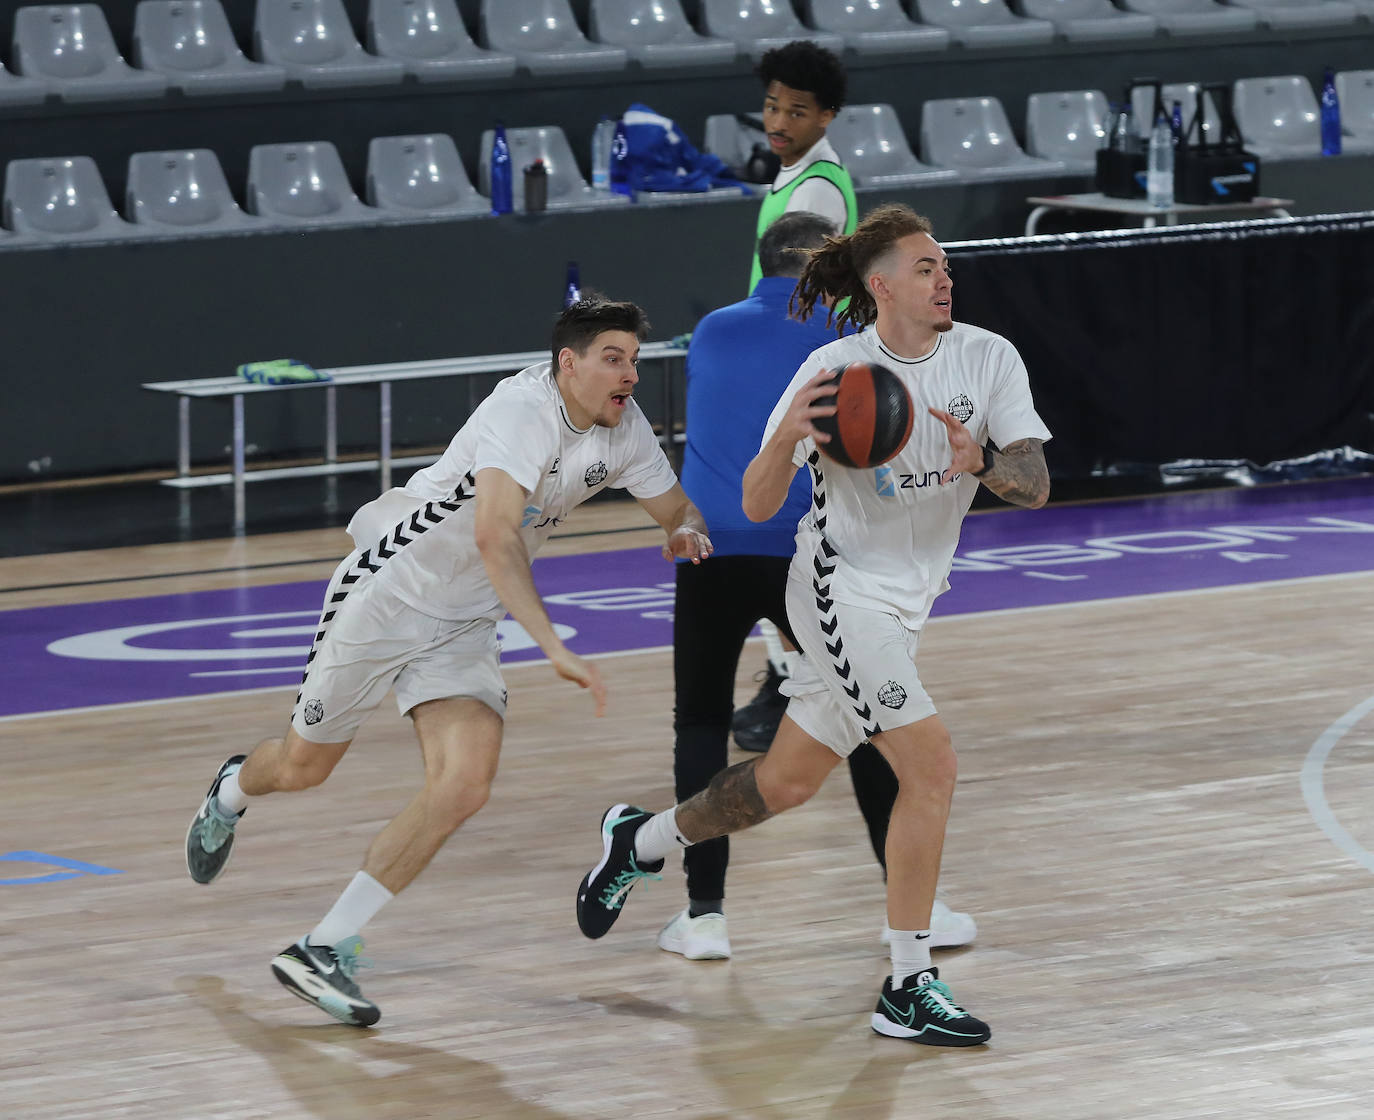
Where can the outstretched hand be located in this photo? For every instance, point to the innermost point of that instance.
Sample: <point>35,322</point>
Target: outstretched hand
<point>968,452</point>
<point>688,544</point>
<point>798,422</point>
<point>581,672</point>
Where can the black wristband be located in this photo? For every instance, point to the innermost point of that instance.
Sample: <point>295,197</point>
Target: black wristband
<point>987,463</point>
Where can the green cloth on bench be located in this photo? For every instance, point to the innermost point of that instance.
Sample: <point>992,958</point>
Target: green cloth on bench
<point>280,371</point>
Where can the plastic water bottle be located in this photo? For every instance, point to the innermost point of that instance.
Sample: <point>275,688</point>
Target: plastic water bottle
<point>572,290</point>
<point>502,195</point>
<point>1159,167</point>
<point>603,137</point>
<point>1331,116</point>
<point>620,161</point>
<point>1122,138</point>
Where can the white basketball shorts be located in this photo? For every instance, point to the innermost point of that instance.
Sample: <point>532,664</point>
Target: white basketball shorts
<point>370,642</point>
<point>857,677</point>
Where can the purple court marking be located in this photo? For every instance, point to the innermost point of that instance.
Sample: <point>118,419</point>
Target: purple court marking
<point>203,642</point>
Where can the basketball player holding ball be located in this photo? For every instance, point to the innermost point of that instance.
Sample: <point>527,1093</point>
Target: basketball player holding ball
<point>872,554</point>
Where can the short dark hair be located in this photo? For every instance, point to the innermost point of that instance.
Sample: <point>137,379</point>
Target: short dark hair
<point>580,323</point>
<point>786,245</point>
<point>805,66</point>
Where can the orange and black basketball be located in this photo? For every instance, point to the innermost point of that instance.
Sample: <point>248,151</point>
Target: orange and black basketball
<point>873,416</point>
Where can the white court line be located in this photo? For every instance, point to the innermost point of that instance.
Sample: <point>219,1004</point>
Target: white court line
<point>943,619</point>
<point>1314,788</point>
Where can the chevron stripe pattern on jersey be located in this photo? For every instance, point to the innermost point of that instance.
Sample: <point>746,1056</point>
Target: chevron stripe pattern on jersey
<point>823,565</point>
<point>372,559</point>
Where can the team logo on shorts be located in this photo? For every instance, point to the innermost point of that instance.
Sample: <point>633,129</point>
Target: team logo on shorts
<point>596,474</point>
<point>892,695</point>
<point>314,712</point>
<point>961,408</point>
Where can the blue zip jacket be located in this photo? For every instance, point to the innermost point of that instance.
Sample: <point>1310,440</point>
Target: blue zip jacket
<point>740,360</point>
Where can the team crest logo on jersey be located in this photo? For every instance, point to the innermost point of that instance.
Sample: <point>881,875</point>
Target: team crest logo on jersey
<point>892,695</point>
<point>596,474</point>
<point>882,482</point>
<point>961,408</point>
<point>314,712</point>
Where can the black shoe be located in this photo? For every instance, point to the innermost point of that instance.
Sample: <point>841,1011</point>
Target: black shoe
<point>602,892</point>
<point>323,975</point>
<point>921,1010</point>
<point>210,839</point>
<point>756,723</point>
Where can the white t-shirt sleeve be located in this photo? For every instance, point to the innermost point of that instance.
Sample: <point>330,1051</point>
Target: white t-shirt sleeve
<point>516,435</point>
<point>802,451</point>
<point>647,472</point>
<point>1011,411</point>
<point>820,196</point>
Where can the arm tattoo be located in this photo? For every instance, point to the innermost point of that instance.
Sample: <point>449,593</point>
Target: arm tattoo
<point>1018,474</point>
<point>731,802</point>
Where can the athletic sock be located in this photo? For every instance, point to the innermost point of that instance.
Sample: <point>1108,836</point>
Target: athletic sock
<point>910,953</point>
<point>230,795</point>
<point>658,836</point>
<point>696,907</point>
<point>357,906</point>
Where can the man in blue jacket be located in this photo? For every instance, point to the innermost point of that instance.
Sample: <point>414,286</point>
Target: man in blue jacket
<point>740,360</point>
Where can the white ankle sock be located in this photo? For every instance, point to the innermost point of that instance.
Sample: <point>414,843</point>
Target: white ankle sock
<point>910,953</point>
<point>357,906</point>
<point>230,795</point>
<point>658,836</point>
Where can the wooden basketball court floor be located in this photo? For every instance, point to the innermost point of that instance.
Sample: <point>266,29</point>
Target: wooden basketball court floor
<point>1165,929</point>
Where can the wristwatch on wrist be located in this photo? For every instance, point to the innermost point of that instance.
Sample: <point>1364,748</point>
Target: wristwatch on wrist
<point>987,463</point>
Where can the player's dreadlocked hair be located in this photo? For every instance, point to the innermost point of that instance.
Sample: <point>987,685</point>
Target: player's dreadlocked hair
<point>841,268</point>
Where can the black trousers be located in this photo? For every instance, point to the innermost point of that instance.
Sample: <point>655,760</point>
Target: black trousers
<point>718,603</point>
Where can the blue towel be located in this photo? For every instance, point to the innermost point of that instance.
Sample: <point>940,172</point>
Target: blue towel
<point>661,158</point>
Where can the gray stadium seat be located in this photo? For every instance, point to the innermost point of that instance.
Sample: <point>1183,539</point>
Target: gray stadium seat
<point>1089,20</point>
<point>60,199</point>
<point>1194,17</point>
<point>1186,94</point>
<point>431,40</point>
<point>727,138</point>
<point>314,43</point>
<point>302,184</point>
<point>1278,117</point>
<point>544,37</point>
<point>871,144</point>
<point>656,33</point>
<point>972,136</point>
<point>15,90</point>
<point>190,43</point>
<point>69,46</point>
<point>760,25</point>
<point>1067,126</point>
<point>1355,89</point>
<point>567,188</point>
<point>181,192</point>
<point>983,23</point>
<point>873,27</point>
<point>1285,15</point>
<point>420,176</point>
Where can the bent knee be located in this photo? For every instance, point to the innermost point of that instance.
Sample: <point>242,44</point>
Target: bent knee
<point>453,802</point>
<point>306,766</point>
<point>784,792</point>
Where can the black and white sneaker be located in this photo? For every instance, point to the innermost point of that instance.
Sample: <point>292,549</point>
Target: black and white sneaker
<point>921,1010</point>
<point>210,839</point>
<point>323,975</point>
<point>755,724</point>
<point>603,890</point>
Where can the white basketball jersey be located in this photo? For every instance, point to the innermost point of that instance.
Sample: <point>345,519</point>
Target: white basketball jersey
<point>420,536</point>
<point>895,527</point>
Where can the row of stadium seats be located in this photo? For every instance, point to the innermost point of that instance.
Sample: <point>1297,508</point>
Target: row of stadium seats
<point>68,51</point>
<point>411,177</point>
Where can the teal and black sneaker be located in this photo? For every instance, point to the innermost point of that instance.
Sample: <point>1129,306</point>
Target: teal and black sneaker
<point>921,1010</point>
<point>323,975</point>
<point>602,891</point>
<point>210,839</point>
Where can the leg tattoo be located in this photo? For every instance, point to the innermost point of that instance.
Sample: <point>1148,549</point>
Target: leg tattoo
<point>731,802</point>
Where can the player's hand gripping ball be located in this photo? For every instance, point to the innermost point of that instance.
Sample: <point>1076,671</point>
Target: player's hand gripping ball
<point>873,416</point>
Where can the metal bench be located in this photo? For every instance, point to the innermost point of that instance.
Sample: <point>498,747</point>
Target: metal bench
<point>668,355</point>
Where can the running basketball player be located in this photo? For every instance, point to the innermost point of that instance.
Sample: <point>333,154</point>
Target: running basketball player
<point>871,556</point>
<point>414,608</point>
